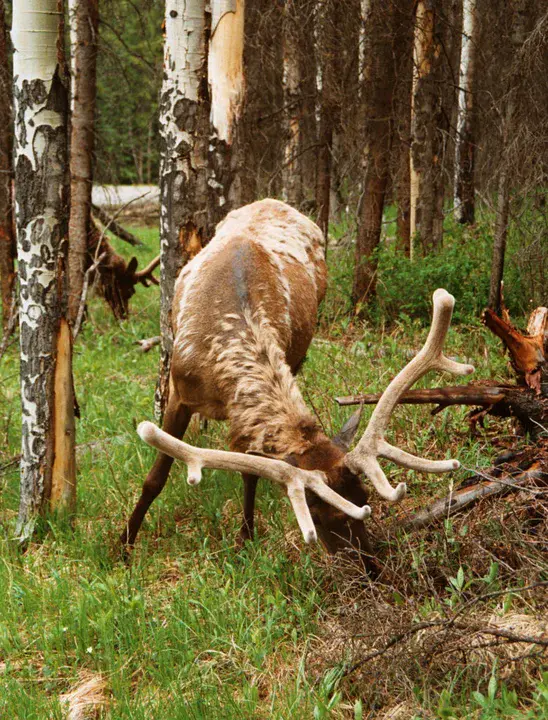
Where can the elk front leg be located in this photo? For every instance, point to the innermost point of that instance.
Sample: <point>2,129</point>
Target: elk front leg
<point>176,421</point>
<point>250,487</point>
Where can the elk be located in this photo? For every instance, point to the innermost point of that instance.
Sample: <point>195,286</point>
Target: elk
<point>244,314</point>
<point>116,277</point>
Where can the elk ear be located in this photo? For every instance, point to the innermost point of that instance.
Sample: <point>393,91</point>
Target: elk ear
<point>132,266</point>
<point>348,431</point>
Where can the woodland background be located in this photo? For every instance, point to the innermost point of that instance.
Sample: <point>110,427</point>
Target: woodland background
<point>342,100</point>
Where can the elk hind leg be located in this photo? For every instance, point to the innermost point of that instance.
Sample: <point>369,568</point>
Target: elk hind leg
<point>176,419</point>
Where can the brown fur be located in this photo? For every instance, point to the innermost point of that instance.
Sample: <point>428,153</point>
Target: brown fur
<point>244,314</point>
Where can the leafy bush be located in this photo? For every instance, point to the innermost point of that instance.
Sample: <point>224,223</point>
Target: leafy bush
<point>462,266</point>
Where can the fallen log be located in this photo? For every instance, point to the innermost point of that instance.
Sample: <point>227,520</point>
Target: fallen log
<point>504,401</point>
<point>471,494</point>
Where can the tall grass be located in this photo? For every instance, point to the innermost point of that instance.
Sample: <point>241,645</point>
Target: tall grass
<point>195,627</point>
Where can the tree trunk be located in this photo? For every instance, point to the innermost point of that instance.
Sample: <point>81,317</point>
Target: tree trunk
<point>503,199</point>
<point>292,188</point>
<point>84,19</point>
<point>7,236</point>
<point>403,29</point>
<point>465,148</point>
<point>227,92</point>
<point>327,39</point>
<point>378,97</point>
<point>184,130</point>
<point>48,475</point>
<point>425,139</point>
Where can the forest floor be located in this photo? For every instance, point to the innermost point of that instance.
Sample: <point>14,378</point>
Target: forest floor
<point>197,628</point>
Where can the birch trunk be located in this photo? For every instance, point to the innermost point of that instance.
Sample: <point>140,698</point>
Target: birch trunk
<point>48,475</point>
<point>84,20</point>
<point>465,149</point>
<point>378,91</point>
<point>227,93</point>
<point>7,236</point>
<point>184,129</point>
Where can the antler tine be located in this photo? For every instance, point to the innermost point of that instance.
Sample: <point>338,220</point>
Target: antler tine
<point>372,444</point>
<point>146,273</point>
<point>295,479</point>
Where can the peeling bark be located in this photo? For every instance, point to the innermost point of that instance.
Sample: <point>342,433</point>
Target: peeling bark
<point>40,160</point>
<point>465,147</point>
<point>184,129</point>
<point>227,92</point>
<point>84,20</point>
<point>7,235</point>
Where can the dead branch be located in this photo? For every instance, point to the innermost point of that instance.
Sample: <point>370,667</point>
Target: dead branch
<point>448,623</point>
<point>467,496</point>
<point>483,395</point>
<point>148,343</point>
<point>120,232</point>
<point>79,317</point>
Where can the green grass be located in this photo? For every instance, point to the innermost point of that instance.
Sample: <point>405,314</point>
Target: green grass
<point>196,628</point>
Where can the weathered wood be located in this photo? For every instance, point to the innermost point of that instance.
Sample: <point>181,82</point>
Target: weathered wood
<point>444,396</point>
<point>470,494</point>
<point>527,352</point>
<point>225,75</point>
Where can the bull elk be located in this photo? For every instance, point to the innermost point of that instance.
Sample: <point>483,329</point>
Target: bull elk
<point>244,314</point>
<point>116,277</point>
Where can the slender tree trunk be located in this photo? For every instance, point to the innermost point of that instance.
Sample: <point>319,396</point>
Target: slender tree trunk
<point>504,180</point>
<point>184,130</point>
<point>292,188</point>
<point>308,130</point>
<point>328,18</point>
<point>48,475</point>
<point>227,92</point>
<point>403,40</point>
<point>465,141</point>
<point>7,236</point>
<point>84,20</point>
<point>423,127</point>
<point>378,93</point>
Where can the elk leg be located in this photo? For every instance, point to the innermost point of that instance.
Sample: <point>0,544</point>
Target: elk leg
<point>250,487</point>
<point>175,423</point>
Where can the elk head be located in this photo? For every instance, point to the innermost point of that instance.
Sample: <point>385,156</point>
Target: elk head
<point>328,476</point>
<point>117,281</point>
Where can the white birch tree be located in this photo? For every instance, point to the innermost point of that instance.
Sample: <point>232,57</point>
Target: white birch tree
<point>465,143</point>
<point>184,129</point>
<point>225,72</point>
<point>40,97</point>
